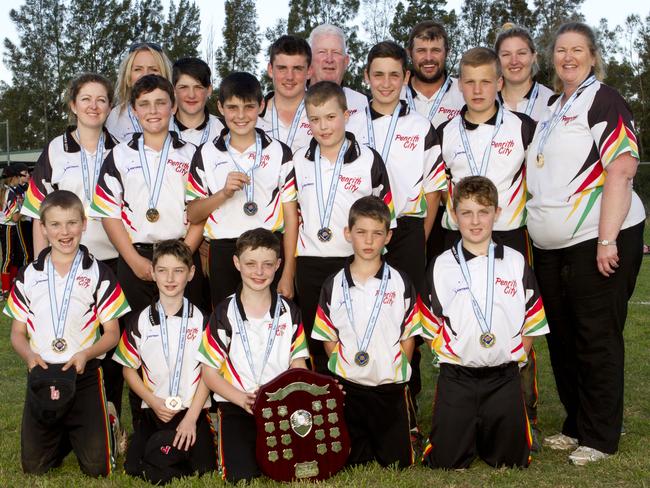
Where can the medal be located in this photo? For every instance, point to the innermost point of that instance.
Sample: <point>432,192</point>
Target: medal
<point>174,403</point>
<point>243,335</point>
<point>250,208</point>
<point>540,160</point>
<point>152,215</point>
<point>487,339</point>
<point>361,358</point>
<point>483,317</point>
<point>324,234</point>
<point>59,345</point>
<point>59,315</point>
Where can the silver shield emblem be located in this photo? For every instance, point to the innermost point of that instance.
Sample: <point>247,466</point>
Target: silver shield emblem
<point>301,422</point>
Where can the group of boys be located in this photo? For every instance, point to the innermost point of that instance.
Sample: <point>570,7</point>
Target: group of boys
<point>294,189</point>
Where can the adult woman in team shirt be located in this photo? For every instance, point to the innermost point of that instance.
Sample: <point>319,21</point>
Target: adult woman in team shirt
<point>586,223</point>
<point>518,56</point>
<point>144,58</point>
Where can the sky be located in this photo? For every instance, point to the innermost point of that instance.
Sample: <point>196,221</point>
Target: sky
<point>270,10</point>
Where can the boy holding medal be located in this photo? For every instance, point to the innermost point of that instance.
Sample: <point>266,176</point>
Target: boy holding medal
<point>140,193</point>
<point>367,316</point>
<point>163,340</point>
<point>284,117</point>
<point>252,337</point>
<point>485,311</point>
<point>331,174</point>
<point>192,80</point>
<point>240,181</point>
<point>59,305</point>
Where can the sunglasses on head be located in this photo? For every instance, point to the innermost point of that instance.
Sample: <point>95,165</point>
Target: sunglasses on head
<point>151,45</point>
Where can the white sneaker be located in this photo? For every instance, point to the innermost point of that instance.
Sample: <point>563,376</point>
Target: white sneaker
<point>584,455</point>
<point>561,442</point>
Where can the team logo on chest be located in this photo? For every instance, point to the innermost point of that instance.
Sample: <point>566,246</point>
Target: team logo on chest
<point>181,167</point>
<point>351,183</point>
<point>83,281</point>
<point>504,148</point>
<point>509,286</point>
<point>449,112</point>
<point>408,142</point>
<point>567,120</point>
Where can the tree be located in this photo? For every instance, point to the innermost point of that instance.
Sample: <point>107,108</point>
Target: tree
<point>406,18</point>
<point>37,65</point>
<point>377,15</point>
<point>182,30</point>
<point>241,38</point>
<point>147,17</point>
<point>96,35</point>
<point>516,12</point>
<point>476,23</point>
<point>270,35</point>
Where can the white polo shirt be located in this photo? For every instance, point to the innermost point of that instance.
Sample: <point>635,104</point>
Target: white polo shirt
<point>452,102</point>
<point>303,131</point>
<point>505,166</point>
<point>451,323</point>
<point>222,347</point>
<point>397,321</point>
<point>122,193</point>
<point>59,168</point>
<point>96,298</point>
<point>363,173</point>
<point>539,104</point>
<point>195,136</point>
<point>122,127</point>
<point>413,160</point>
<point>274,185</point>
<point>357,106</point>
<point>141,346</point>
<point>566,192</point>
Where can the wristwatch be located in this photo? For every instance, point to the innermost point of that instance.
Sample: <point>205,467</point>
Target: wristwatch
<point>605,242</point>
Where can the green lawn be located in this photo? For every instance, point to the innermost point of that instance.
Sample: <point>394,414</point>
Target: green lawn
<point>631,467</point>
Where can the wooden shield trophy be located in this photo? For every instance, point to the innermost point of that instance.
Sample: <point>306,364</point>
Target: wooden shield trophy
<point>301,431</point>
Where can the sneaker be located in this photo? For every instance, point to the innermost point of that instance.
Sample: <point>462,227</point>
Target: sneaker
<point>535,446</point>
<point>584,455</point>
<point>119,434</point>
<point>561,442</point>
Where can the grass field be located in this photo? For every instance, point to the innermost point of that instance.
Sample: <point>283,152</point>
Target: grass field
<point>630,467</point>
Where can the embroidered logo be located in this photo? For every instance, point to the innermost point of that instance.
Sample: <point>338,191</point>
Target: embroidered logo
<point>504,147</point>
<point>54,393</point>
<point>264,161</point>
<point>351,183</point>
<point>409,142</point>
<point>181,167</point>
<point>191,333</point>
<point>568,120</point>
<point>509,286</point>
<point>165,449</point>
<point>83,281</point>
<point>449,112</point>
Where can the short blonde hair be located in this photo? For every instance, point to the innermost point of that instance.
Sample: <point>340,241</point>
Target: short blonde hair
<point>123,92</point>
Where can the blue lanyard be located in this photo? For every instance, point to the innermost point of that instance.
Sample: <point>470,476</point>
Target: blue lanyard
<point>275,123</point>
<point>476,171</point>
<point>269,341</point>
<point>204,135</point>
<point>134,120</point>
<point>548,126</point>
<point>154,194</point>
<point>533,98</point>
<point>59,315</point>
<point>388,141</point>
<point>374,314</point>
<point>484,318</point>
<point>436,102</point>
<point>325,208</point>
<point>85,173</point>
<point>175,374</point>
<point>250,188</point>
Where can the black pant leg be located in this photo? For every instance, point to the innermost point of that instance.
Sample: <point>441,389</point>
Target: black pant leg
<point>203,457</point>
<point>504,435</point>
<point>435,244</point>
<point>237,434</point>
<point>311,272</point>
<point>224,277</point>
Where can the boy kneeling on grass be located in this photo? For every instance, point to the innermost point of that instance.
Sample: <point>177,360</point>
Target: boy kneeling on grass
<point>174,437</point>
<point>252,336</point>
<point>486,310</point>
<point>65,307</point>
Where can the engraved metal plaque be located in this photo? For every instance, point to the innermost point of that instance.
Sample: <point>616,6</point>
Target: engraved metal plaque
<point>307,469</point>
<point>273,456</point>
<point>331,403</point>
<point>285,439</point>
<point>283,411</point>
<point>267,413</point>
<point>321,448</point>
<point>317,405</point>
<point>319,434</point>
<point>336,446</point>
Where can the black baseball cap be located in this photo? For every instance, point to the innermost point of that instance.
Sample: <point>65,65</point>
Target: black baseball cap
<point>51,392</point>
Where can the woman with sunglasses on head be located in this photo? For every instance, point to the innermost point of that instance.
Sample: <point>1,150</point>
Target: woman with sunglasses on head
<point>72,161</point>
<point>144,58</point>
<point>518,56</point>
<point>586,223</point>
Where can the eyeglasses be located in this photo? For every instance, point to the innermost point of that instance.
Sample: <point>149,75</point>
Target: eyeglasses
<point>139,45</point>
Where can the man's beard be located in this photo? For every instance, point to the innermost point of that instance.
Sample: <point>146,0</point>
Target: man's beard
<point>424,79</point>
